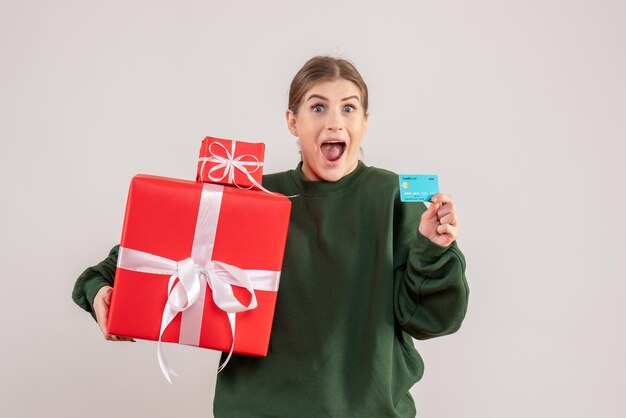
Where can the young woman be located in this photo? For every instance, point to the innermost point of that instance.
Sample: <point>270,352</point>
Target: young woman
<point>363,273</point>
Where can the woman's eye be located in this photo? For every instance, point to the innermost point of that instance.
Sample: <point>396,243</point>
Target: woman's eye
<point>349,108</point>
<point>318,108</point>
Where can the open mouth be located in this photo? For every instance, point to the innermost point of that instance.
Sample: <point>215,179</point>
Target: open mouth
<point>333,150</point>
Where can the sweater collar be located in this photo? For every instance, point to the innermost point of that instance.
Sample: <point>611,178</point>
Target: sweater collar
<point>321,188</point>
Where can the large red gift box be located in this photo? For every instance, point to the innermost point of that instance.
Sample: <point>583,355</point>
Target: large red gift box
<point>225,161</point>
<point>185,243</point>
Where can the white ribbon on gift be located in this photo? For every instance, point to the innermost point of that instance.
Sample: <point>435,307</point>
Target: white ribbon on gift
<point>229,164</point>
<point>190,276</point>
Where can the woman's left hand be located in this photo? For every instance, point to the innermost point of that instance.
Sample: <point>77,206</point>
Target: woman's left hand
<point>439,223</point>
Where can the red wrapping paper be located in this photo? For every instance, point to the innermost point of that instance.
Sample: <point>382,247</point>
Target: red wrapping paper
<point>230,162</point>
<point>161,215</point>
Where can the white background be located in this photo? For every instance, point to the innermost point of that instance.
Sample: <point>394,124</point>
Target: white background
<point>518,106</point>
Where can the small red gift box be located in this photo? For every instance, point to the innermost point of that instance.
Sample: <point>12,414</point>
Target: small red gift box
<point>199,264</point>
<point>225,161</point>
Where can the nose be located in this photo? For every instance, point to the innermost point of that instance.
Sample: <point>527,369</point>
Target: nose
<point>334,121</point>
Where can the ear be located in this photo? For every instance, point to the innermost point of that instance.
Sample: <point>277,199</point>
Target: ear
<point>291,122</point>
<point>367,116</point>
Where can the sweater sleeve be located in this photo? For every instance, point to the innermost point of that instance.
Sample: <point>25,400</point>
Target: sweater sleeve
<point>431,292</point>
<point>93,279</point>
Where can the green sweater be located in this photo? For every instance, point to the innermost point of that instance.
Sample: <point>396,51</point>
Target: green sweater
<point>358,280</point>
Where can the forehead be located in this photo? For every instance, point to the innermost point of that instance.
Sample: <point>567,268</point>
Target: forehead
<point>334,90</point>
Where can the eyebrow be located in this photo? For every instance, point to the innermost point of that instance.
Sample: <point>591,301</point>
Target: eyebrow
<point>326,98</point>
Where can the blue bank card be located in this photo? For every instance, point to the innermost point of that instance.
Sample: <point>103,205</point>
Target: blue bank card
<point>418,187</point>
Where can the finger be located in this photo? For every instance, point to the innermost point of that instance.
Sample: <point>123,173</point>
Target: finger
<point>101,316</point>
<point>111,337</point>
<point>127,339</point>
<point>446,207</point>
<point>445,211</point>
<point>448,230</point>
<point>120,338</point>
<point>101,308</point>
<point>107,296</point>
<point>442,198</point>
<point>450,218</point>
<point>431,212</point>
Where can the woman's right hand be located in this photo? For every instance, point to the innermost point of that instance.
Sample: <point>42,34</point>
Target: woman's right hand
<point>101,308</point>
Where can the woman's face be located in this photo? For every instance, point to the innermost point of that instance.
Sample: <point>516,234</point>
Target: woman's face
<point>330,125</point>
